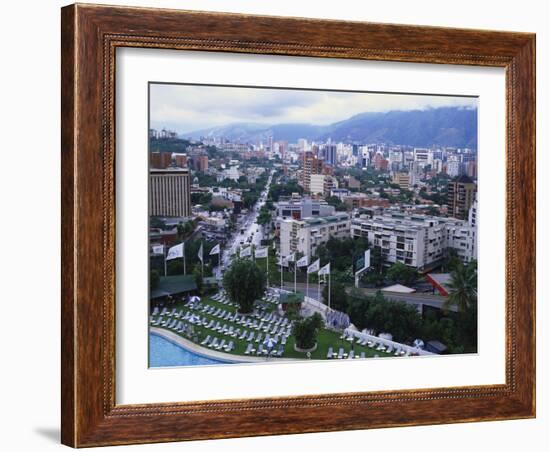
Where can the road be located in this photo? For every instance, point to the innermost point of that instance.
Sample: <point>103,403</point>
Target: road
<point>415,299</point>
<point>248,224</point>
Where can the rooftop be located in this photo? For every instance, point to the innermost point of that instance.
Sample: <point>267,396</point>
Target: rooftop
<point>171,285</point>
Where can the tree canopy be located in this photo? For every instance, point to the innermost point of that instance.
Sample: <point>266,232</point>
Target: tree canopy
<point>305,331</point>
<point>244,282</point>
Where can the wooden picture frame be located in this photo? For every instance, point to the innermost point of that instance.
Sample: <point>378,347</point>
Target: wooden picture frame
<point>90,36</point>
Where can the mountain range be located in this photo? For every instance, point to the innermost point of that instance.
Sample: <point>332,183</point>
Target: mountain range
<point>444,126</point>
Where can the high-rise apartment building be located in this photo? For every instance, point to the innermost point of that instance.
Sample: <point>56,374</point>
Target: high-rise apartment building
<point>460,196</point>
<point>401,179</point>
<point>170,192</point>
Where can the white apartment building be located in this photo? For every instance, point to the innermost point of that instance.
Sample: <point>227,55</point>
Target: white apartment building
<point>303,208</point>
<point>418,241</point>
<point>306,235</point>
<point>317,184</point>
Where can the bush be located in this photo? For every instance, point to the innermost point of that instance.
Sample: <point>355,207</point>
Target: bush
<point>305,331</point>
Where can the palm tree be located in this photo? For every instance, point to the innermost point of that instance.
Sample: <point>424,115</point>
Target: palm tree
<point>463,287</point>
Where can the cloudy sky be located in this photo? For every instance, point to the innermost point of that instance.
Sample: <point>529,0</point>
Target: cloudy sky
<point>186,108</point>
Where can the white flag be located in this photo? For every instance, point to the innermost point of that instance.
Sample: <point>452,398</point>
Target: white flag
<point>283,261</point>
<point>303,262</point>
<point>215,250</point>
<point>245,252</point>
<point>367,259</point>
<point>314,267</point>
<point>175,252</point>
<point>261,252</point>
<point>199,254</point>
<point>291,257</point>
<point>158,249</point>
<point>325,270</point>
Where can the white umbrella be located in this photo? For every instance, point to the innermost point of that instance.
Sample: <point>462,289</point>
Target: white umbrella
<point>194,318</point>
<point>270,343</point>
<point>418,343</point>
<point>195,298</point>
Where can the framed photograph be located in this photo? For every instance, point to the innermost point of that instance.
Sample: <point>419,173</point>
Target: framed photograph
<point>281,225</point>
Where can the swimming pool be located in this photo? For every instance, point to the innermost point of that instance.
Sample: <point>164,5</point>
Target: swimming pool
<point>163,353</point>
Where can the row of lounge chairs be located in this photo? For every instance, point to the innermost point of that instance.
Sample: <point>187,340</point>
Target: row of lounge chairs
<point>263,351</point>
<point>343,355</point>
<point>217,344</point>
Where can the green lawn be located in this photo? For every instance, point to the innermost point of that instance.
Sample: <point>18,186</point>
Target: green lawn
<point>325,339</point>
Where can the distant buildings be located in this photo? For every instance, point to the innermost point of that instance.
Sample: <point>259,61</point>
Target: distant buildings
<point>401,179</point>
<point>170,192</point>
<point>460,196</point>
<point>306,235</point>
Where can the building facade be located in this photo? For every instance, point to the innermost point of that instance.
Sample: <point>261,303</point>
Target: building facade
<point>170,192</point>
<point>304,208</point>
<point>460,196</point>
<point>419,241</point>
<point>305,236</point>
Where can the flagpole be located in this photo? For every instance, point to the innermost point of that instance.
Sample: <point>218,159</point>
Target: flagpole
<point>267,266</point>
<point>202,261</point>
<point>184,266</point>
<point>329,290</point>
<point>281,272</point>
<point>219,263</point>
<point>307,283</point>
<point>165,265</point>
<point>295,265</point>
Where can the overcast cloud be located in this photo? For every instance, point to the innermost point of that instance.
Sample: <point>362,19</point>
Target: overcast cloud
<point>185,108</point>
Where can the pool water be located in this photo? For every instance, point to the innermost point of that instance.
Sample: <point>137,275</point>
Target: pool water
<point>163,353</point>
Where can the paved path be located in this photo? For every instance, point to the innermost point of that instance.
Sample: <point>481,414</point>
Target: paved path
<point>416,299</point>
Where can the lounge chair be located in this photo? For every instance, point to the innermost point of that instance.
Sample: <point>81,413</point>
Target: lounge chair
<point>220,345</point>
<point>248,349</point>
<point>340,353</point>
<point>260,349</point>
<point>280,351</point>
<point>214,343</point>
<point>259,337</point>
<point>362,354</point>
<point>243,335</point>
<point>329,353</point>
<point>229,347</point>
<point>206,340</point>
<point>351,354</point>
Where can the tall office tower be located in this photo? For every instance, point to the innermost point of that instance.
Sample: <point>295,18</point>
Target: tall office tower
<point>329,154</point>
<point>460,196</point>
<point>311,164</point>
<point>170,192</point>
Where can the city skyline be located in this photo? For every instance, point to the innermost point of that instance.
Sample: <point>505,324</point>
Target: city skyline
<point>191,108</point>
